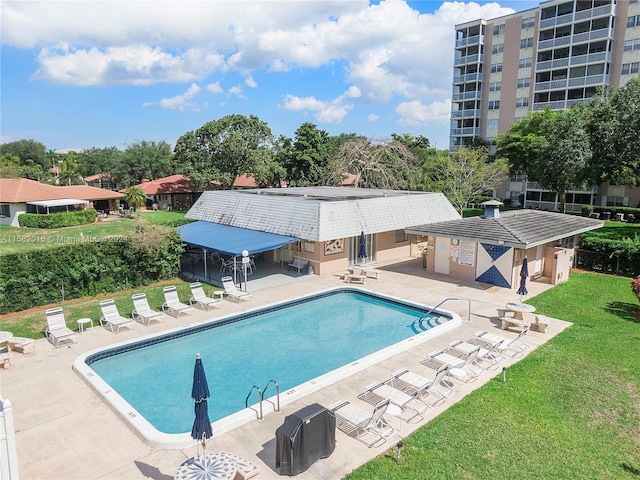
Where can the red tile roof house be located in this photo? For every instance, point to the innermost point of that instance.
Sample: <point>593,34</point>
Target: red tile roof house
<point>21,195</point>
<point>173,192</point>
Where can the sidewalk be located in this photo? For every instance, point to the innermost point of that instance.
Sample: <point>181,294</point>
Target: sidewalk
<point>64,430</point>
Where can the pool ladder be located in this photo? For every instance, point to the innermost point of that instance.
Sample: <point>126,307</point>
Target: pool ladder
<point>446,300</point>
<point>261,397</point>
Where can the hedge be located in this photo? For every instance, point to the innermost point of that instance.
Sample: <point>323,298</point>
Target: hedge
<point>43,277</point>
<point>620,257</point>
<point>588,210</point>
<point>57,220</point>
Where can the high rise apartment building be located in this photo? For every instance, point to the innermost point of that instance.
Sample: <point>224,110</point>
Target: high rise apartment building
<point>554,55</point>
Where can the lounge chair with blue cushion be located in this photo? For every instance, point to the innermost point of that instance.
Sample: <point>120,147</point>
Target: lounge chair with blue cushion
<point>172,302</point>
<point>198,297</point>
<point>57,330</point>
<point>112,319</point>
<point>142,311</point>
<point>231,290</point>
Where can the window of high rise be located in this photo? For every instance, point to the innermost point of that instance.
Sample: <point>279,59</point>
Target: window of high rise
<point>495,86</point>
<point>526,43</point>
<point>499,48</point>
<point>524,82</point>
<point>496,67</point>
<point>528,22</point>
<point>629,68</point>
<point>498,29</point>
<point>524,63</point>
<point>633,21</point>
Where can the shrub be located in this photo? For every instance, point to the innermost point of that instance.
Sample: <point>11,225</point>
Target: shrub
<point>42,277</point>
<point>57,220</point>
<point>635,287</point>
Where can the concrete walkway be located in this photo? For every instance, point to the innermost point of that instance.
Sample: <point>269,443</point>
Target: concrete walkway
<point>64,430</point>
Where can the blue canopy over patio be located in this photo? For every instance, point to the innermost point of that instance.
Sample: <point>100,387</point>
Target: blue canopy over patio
<point>231,240</point>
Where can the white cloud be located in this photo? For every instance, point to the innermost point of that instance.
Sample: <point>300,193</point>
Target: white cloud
<point>332,111</point>
<point>416,113</point>
<point>214,87</point>
<point>385,52</point>
<point>133,65</point>
<point>372,117</point>
<point>179,102</point>
<point>237,91</point>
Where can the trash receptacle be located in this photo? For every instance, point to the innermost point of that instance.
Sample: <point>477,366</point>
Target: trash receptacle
<point>305,436</point>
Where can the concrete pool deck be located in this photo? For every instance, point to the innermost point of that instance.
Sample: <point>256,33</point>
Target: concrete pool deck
<point>64,429</point>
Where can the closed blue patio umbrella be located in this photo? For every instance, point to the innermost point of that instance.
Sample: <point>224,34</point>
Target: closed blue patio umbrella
<point>524,274</point>
<point>362,252</point>
<point>201,430</point>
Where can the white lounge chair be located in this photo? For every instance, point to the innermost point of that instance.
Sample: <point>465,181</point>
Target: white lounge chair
<point>198,297</point>
<point>57,330</point>
<point>493,357</point>
<point>458,364</point>
<point>422,387</point>
<point>379,391</point>
<point>231,290</point>
<point>502,344</point>
<point>142,311</point>
<point>353,420</point>
<point>172,302</point>
<point>112,319</point>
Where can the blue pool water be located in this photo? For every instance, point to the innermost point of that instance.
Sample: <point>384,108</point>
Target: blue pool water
<point>290,343</point>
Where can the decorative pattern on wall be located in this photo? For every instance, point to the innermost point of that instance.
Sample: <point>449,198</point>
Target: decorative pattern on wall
<point>495,265</point>
<point>332,247</point>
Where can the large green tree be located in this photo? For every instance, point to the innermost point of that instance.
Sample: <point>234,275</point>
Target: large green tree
<point>464,174</point>
<point>564,158</point>
<point>522,144</point>
<point>101,161</point>
<point>220,150</point>
<point>550,147</point>
<point>613,126</point>
<point>308,157</point>
<point>145,160</point>
<point>27,150</point>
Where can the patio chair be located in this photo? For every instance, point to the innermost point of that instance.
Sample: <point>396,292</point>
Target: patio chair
<point>111,318</point>
<point>502,344</point>
<point>422,387</point>
<point>459,364</point>
<point>198,297</point>
<point>379,391</point>
<point>493,357</point>
<point>57,330</point>
<point>172,302</point>
<point>231,290</point>
<point>142,312</point>
<point>352,420</point>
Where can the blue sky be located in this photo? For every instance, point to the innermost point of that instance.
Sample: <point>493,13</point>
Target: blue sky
<point>83,74</point>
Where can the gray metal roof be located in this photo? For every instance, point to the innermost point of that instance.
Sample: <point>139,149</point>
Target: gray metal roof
<point>322,213</point>
<point>516,228</point>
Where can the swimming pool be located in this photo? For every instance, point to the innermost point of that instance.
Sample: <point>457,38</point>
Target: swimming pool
<point>304,345</point>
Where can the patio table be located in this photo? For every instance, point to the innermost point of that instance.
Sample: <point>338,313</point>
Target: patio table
<point>519,308</point>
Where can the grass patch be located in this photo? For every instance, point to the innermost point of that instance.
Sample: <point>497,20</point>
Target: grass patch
<point>21,239</point>
<point>615,231</point>
<point>32,323</point>
<point>571,409</point>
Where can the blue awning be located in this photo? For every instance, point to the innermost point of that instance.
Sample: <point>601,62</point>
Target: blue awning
<point>231,240</point>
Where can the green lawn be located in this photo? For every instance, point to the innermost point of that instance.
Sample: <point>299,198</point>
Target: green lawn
<point>571,409</point>
<point>32,323</point>
<point>615,231</point>
<point>19,240</point>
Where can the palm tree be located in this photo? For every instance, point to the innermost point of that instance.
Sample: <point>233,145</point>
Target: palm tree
<point>135,197</point>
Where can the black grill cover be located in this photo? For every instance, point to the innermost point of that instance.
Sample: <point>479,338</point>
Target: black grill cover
<point>305,436</point>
